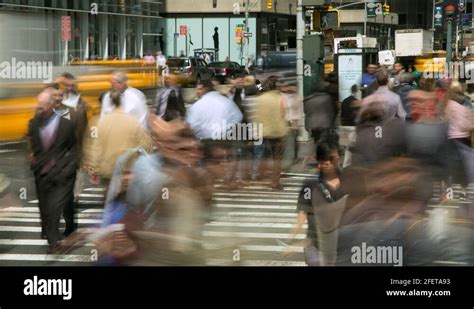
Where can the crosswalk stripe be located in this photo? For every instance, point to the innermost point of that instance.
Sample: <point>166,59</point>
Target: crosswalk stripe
<point>252,235</point>
<point>299,174</point>
<point>264,248</point>
<point>250,224</point>
<point>266,188</point>
<point>256,248</point>
<point>262,214</point>
<point>28,229</point>
<point>94,189</point>
<point>283,181</point>
<point>46,257</point>
<point>91,195</point>
<point>2,144</point>
<point>88,210</point>
<point>90,202</point>
<point>81,202</point>
<point>211,262</point>
<point>36,209</point>
<point>257,192</point>
<point>254,196</point>
<point>451,263</point>
<point>444,206</point>
<point>238,194</point>
<point>80,221</point>
<point>274,263</point>
<point>32,242</point>
<point>257,219</point>
<point>245,200</point>
<point>255,206</point>
<point>301,178</point>
<point>37,215</point>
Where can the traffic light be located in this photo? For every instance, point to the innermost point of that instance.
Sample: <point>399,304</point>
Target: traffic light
<point>324,19</point>
<point>269,4</point>
<point>386,9</point>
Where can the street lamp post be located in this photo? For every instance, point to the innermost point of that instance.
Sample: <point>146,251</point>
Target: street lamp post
<point>449,43</point>
<point>365,18</point>
<point>450,9</point>
<point>247,38</point>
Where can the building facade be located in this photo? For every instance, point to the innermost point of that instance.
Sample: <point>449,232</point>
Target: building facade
<point>190,24</point>
<point>419,15</point>
<point>62,30</point>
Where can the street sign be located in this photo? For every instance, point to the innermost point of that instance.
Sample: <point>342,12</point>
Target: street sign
<point>374,9</point>
<point>247,34</point>
<point>239,30</point>
<point>183,30</point>
<point>349,73</point>
<point>371,6</point>
<point>462,5</point>
<point>66,28</point>
<point>466,19</point>
<point>438,17</point>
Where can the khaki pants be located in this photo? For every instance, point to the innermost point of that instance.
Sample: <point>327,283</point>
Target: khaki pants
<point>276,147</point>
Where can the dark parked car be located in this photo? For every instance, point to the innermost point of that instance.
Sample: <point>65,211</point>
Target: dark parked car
<point>281,64</point>
<point>192,68</point>
<point>224,70</point>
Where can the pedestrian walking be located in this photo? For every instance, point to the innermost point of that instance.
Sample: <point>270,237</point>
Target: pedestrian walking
<point>320,113</point>
<point>117,132</point>
<point>270,112</point>
<point>169,102</point>
<point>133,100</point>
<point>213,119</point>
<point>391,102</point>
<point>54,163</point>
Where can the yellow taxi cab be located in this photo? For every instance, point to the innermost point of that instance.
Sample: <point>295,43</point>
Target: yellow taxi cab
<point>18,100</point>
<point>433,62</point>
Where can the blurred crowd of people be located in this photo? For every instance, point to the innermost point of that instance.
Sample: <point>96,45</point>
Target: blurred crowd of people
<point>159,164</point>
<point>400,138</point>
<point>379,154</point>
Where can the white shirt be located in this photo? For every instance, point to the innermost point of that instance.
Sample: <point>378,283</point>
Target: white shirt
<point>48,131</point>
<point>63,112</point>
<point>207,115</point>
<point>133,103</point>
<point>72,100</point>
<point>161,60</point>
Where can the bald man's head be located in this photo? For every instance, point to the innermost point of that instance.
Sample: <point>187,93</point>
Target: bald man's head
<point>45,103</point>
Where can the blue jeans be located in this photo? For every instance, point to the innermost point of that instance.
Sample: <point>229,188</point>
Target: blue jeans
<point>258,154</point>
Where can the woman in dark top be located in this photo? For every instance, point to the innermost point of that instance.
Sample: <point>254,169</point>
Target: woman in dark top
<point>328,187</point>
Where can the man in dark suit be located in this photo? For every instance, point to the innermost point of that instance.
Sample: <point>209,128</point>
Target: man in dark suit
<point>54,164</point>
<point>64,107</point>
